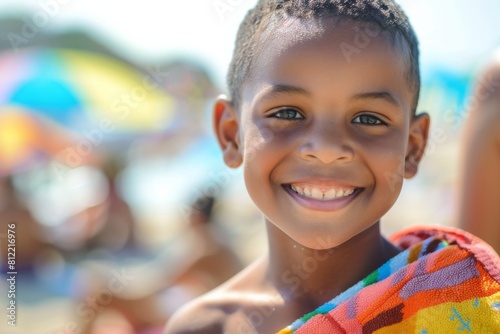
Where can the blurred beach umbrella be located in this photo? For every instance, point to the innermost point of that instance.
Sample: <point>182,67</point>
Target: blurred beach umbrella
<point>27,139</point>
<point>84,90</point>
<point>189,80</point>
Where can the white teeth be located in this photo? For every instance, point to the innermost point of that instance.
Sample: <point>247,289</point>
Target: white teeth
<point>317,193</point>
<point>330,194</point>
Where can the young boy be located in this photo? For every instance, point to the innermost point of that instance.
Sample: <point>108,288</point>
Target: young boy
<point>322,119</point>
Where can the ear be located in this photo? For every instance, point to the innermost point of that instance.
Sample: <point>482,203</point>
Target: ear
<point>226,127</point>
<point>417,141</point>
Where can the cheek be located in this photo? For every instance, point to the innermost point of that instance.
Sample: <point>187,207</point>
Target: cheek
<point>256,157</point>
<point>263,152</point>
<point>391,174</point>
<point>388,160</point>
<point>255,142</point>
<point>262,142</point>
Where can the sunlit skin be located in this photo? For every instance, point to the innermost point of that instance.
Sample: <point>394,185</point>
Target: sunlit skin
<point>309,118</point>
<point>479,181</point>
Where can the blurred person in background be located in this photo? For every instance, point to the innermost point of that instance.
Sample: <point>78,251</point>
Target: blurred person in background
<point>103,224</point>
<point>479,183</point>
<point>45,285</point>
<point>211,262</point>
<point>29,235</point>
<point>146,304</point>
<point>117,223</point>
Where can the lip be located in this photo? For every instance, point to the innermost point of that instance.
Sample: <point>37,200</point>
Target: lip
<point>319,205</point>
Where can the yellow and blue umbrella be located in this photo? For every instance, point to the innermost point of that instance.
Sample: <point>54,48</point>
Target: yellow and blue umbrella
<point>28,139</point>
<point>84,91</point>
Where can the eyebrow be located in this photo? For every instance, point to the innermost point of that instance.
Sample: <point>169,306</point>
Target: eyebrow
<point>384,96</point>
<point>286,89</point>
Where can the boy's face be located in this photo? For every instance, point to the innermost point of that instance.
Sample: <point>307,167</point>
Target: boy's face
<point>325,131</point>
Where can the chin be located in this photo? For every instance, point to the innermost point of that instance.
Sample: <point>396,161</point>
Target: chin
<point>322,240</point>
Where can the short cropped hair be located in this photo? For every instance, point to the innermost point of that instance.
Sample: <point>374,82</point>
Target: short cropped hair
<point>386,14</point>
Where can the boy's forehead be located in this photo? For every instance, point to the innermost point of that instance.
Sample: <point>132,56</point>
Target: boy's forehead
<point>279,36</point>
<point>286,50</point>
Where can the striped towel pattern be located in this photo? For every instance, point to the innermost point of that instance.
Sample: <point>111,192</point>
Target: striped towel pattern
<point>445,281</point>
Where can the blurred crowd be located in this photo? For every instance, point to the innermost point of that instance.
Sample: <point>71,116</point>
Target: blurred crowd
<point>111,183</point>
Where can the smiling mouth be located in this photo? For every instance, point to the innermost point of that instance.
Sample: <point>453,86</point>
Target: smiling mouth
<point>321,194</point>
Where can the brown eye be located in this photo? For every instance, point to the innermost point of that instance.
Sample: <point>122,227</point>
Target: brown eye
<point>368,120</point>
<point>287,114</point>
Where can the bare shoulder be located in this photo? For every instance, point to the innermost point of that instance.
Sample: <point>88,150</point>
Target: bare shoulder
<point>219,311</point>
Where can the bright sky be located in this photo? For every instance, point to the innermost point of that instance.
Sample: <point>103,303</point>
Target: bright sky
<point>456,33</point>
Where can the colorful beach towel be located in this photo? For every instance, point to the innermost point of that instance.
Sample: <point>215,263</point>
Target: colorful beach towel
<point>445,281</point>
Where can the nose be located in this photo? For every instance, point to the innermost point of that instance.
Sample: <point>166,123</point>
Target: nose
<point>326,143</point>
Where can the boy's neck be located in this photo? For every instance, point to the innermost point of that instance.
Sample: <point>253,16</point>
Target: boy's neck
<point>313,277</point>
